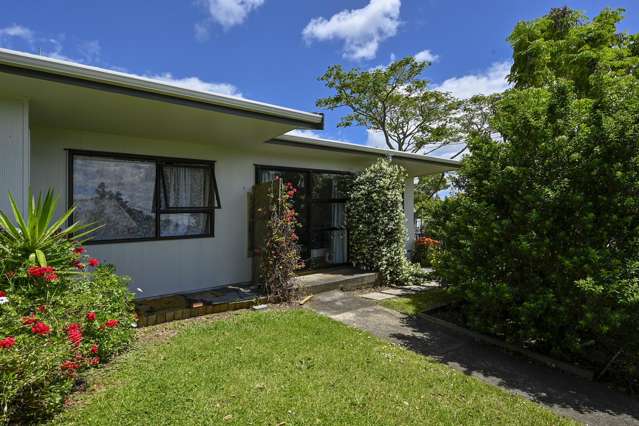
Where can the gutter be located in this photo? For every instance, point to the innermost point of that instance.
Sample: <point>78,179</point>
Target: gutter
<point>36,66</point>
<point>332,145</point>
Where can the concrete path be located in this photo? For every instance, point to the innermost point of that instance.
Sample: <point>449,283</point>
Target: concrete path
<point>588,402</point>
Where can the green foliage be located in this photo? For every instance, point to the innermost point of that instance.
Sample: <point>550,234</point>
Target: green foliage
<point>281,254</point>
<point>46,332</point>
<point>37,232</point>
<point>376,223</point>
<point>393,100</point>
<point>543,242</point>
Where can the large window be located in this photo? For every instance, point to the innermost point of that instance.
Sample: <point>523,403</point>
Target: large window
<point>320,204</point>
<point>136,198</point>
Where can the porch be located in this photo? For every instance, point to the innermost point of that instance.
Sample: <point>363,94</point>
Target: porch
<point>158,310</point>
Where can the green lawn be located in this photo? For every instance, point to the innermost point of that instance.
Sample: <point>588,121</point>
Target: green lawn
<point>419,302</point>
<point>287,366</point>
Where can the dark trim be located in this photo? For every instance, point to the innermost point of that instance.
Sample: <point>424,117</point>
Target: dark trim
<point>310,201</point>
<point>139,93</point>
<point>157,204</point>
<point>393,154</point>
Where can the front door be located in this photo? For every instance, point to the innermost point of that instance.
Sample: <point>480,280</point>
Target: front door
<point>321,206</point>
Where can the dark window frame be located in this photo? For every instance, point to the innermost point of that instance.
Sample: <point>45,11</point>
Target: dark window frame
<point>158,210</point>
<point>310,200</point>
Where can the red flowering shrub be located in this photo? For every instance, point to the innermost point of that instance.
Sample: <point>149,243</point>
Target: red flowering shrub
<point>56,319</point>
<point>425,247</point>
<point>281,253</point>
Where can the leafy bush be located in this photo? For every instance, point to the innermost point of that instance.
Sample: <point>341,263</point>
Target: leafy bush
<point>376,223</point>
<point>543,242</point>
<point>60,312</point>
<point>281,253</point>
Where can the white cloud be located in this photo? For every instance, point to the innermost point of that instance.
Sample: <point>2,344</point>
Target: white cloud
<point>90,50</point>
<point>362,30</point>
<point>305,133</point>
<point>375,139</point>
<point>194,83</point>
<point>17,31</point>
<point>426,56</point>
<point>227,13</point>
<point>493,80</point>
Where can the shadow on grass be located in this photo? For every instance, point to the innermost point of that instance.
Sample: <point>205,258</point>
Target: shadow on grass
<point>516,374</point>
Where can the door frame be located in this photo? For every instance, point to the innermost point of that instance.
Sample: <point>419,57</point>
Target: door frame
<point>308,173</point>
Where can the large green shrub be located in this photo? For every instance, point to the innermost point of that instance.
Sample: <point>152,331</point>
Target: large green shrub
<point>60,312</point>
<point>543,242</point>
<point>377,224</point>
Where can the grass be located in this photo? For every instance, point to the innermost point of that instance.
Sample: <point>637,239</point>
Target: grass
<point>290,367</point>
<point>419,302</point>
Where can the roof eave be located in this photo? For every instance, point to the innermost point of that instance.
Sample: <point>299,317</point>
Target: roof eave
<point>68,72</point>
<point>332,145</point>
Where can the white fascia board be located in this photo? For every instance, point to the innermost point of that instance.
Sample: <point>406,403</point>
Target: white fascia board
<point>363,149</point>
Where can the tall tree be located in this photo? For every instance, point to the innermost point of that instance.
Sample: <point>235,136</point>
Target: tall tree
<point>543,242</point>
<point>394,101</point>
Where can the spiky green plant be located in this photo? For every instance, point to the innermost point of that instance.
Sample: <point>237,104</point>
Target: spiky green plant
<point>36,235</point>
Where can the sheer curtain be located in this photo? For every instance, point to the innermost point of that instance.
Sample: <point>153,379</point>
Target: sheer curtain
<point>185,187</point>
<point>337,240</point>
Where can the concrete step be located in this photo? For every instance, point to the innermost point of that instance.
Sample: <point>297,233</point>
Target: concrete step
<point>336,279</point>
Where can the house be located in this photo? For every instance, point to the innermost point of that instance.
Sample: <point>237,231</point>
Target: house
<point>168,170</point>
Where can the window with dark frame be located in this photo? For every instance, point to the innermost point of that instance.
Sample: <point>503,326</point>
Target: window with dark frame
<point>320,203</point>
<point>141,198</point>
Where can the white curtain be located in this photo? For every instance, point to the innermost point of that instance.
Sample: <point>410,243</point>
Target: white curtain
<point>186,187</point>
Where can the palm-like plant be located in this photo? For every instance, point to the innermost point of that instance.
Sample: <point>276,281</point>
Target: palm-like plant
<point>37,233</point>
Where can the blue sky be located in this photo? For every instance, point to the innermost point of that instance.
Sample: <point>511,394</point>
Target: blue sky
<point>274,50</point>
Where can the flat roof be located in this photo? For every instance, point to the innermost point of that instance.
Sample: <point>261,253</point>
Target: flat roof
<point>54,69</point>
<point>348,147</point>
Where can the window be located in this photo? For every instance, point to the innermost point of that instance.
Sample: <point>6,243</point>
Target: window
<point>137,198</point>
<point>321,207</point>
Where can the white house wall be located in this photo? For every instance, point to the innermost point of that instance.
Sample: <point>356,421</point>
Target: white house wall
<point>14,151</point>
<point>172,266</point>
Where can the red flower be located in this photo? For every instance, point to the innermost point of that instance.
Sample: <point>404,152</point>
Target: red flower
<point>94,349</point>
<point>112,323</point>
<point>79,250</point>
<point>46,272</point>
<point>41,309</point>
<point>7,342</point>
<point>91,316</point>
<point>41,328</point>
<point>3,293</point>
<point>78,264</point>
<point>95,360</point>
<point>94,262</point>
<point>69,365</point>
<point>29,320</point>
<point>74,333</point>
